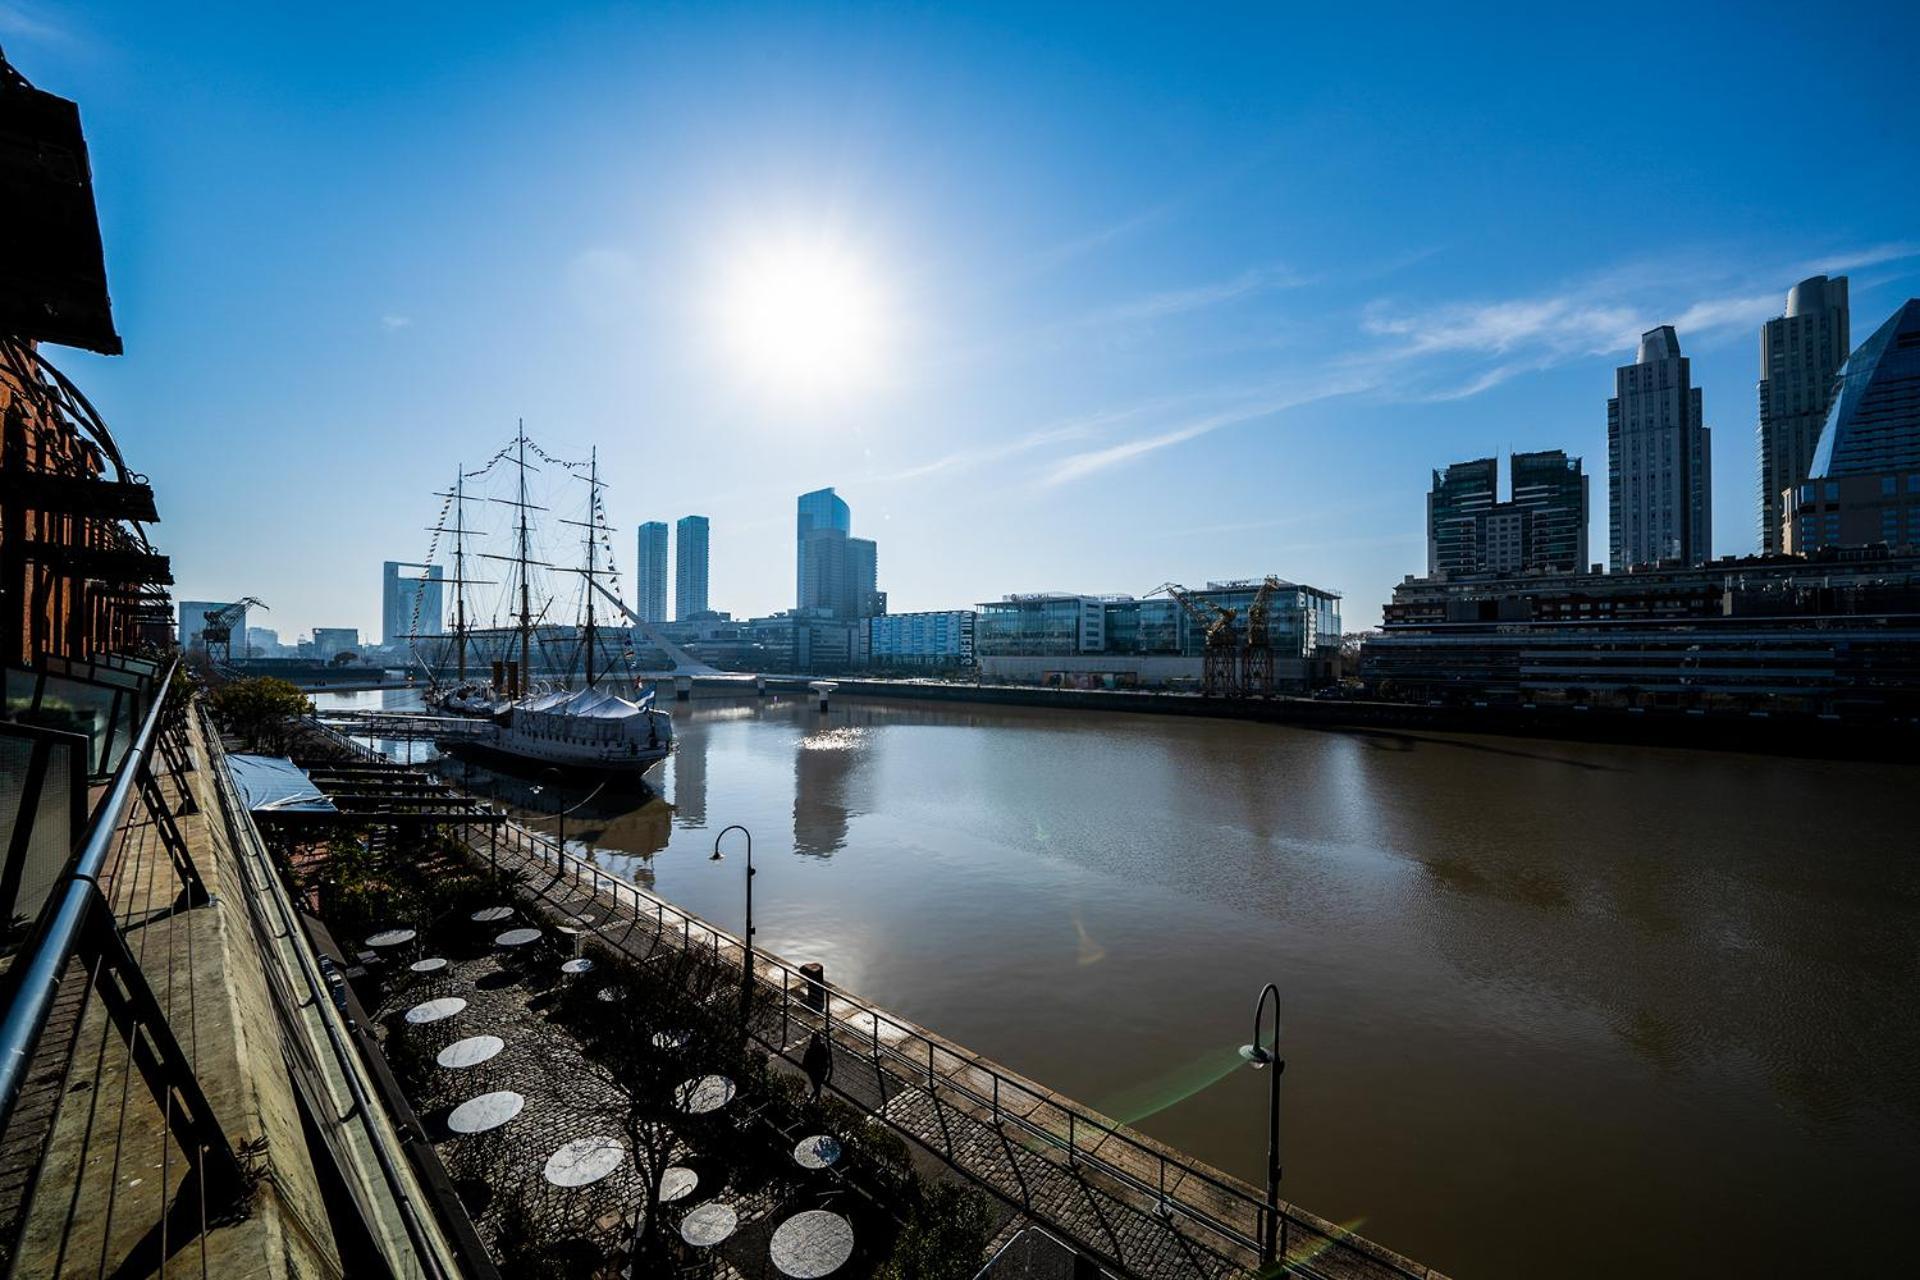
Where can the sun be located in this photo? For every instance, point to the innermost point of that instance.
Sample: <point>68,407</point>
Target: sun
<point>802,318</point>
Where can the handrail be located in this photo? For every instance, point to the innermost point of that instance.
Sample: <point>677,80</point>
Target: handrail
<point>38,981</point>
<point>365,1106</point>
<point>1077,1117</point>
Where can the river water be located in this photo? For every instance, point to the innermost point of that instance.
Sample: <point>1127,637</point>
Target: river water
<point>1549,1008</point>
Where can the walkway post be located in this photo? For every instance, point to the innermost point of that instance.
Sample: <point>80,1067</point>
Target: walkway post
<point>746,978</point>
<point>1259,1059</point>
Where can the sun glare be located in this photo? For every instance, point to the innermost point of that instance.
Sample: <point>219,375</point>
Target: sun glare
<point>803,318</point>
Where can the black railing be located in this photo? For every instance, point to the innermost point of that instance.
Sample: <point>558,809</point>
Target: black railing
<point>1226,1219</point>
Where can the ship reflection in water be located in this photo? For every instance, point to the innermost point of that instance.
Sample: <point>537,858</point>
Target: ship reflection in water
<point>1528,987</point>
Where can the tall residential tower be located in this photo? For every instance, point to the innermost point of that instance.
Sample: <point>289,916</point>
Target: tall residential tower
<point>1800,356</point>
<point>650,573</point>
<point>412,601</point>
<point>690,567</point>
<point>1541,528</point>
<point>1659,460</point>
<point>823,509</point>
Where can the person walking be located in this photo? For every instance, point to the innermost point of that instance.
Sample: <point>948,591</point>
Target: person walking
<point>817,1062</point>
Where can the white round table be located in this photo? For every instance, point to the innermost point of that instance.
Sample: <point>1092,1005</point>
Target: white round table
<point>817,1152</point>
<point>677,1183</point>
<point>708,1224</point>
<point>470,1052</point>
<point>391,938</point>
<point>488,1111</point>
<point>434,1010</point>
<point>491,915</point>
<point>581,965</point>
<point>811,1244</point>
<point>669,1040</point>
<point>608,995</point>
<point>517,937</point>
<point>708,1093</point>
<point>432,964</point>
<point>584,1161</point>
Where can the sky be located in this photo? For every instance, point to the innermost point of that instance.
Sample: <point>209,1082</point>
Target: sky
<point>1140,293</point>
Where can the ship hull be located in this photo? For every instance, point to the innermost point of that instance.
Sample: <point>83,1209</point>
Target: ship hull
<point>530,765</point>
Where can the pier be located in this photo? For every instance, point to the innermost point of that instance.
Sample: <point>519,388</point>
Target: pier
<point>1137,1205</point>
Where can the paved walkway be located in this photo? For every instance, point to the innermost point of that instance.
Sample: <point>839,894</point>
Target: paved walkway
<point>1143,1207</point>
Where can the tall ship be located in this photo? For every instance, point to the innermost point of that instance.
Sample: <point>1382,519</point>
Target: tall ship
<point>542,694</point>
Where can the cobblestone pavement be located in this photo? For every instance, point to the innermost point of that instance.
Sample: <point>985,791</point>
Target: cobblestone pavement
<point>1140,1207</point>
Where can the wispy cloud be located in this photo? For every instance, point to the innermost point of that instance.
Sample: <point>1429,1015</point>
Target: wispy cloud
<point>1173,302</point>
<point>967,459</point>
<point>24,21</point>
<point>392,321</point>
<point>1079,466</point>
<point>1458,350</point>
<point>1873,256</point>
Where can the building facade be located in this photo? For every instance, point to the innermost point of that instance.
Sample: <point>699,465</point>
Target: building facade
<point>1863,485</point>
<point>1460,498</point>
<point>412,601</point>
<point>650,572</point>
<point>331,642</point>
<point>1120,641</point>
<point>1659,459</point>
<point>821,509</point>
<point>690,567</point>
<point>1835,632</point>
<point>1542,527</point>
<point>1801,353</point>
<point>939,639</point>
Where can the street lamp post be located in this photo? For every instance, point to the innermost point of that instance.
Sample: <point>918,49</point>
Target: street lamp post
<point>1260,1058</point>
<point>746,982</point>
<point>553,771</point>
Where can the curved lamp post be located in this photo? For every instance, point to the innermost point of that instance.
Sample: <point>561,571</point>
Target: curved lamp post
<point>746,984</point>
<point>1260,1058</point>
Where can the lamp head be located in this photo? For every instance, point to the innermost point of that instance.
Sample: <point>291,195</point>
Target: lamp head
<point>1257,1058</point>
<point>717,855</point>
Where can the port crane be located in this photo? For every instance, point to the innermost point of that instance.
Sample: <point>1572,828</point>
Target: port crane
<point>1256,667</point>
<point>217,627</point>
<point>1220,662</point>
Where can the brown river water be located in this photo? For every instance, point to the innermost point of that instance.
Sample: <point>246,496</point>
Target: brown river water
<point>1549,1008</point>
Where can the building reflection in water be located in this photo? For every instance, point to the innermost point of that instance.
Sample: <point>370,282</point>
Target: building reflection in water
<point>690,779</point>
<point>823,766</point>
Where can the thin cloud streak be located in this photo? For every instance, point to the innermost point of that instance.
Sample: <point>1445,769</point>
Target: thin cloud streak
<point>1603,314</point>
<point>1081,465</point>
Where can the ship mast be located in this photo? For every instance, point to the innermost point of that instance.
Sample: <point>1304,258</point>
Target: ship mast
<point>526,592</point>
<point>593,502</point>
<point>460,574</point>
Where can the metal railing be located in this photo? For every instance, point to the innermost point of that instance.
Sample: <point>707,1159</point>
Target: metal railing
<point>1089,1143</point>
<point>34,982</point>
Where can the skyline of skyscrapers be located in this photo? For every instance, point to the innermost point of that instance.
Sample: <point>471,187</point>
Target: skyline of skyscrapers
<point>1800,355</point>
<point>411,603</point>
<point>650,572</point>
<point>690,567</point>
<point>1659,459</point>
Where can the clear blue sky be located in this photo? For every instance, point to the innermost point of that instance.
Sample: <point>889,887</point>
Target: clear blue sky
<point>1180,291</point>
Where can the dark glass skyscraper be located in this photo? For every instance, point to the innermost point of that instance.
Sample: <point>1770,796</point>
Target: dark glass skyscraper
<point>1542,527</point>
<point>1800,356</point>
<point>1461,496</point>
<point>821,509</point>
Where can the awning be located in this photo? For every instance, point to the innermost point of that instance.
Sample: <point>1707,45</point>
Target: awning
<point>275,784</point>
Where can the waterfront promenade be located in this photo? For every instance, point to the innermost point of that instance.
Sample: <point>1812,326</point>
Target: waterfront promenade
<point>1140,1206</point>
